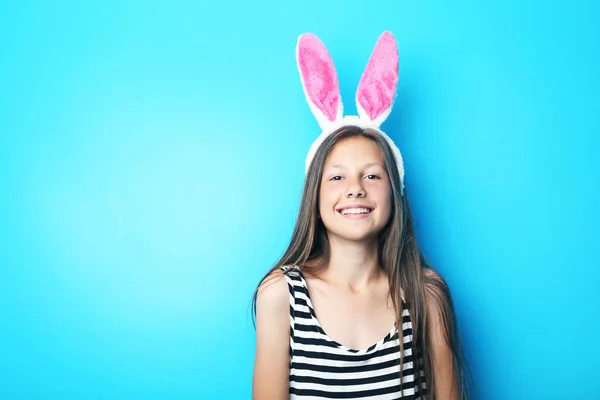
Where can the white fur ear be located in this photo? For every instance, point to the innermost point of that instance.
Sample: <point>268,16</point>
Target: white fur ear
<point>377,88</point>
<point>319,80</point>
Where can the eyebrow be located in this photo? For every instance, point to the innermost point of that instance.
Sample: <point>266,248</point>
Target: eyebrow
<point>364,166</point>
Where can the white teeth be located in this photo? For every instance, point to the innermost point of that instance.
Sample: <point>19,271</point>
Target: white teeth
<point>355,211</point>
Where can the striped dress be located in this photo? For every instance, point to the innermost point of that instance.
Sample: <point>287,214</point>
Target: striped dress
<point>321,368</point>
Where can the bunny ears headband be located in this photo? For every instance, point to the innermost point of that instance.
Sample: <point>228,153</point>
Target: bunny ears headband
<point>374,96</point>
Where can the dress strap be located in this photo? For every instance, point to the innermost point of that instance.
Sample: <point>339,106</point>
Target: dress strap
<point>291,274</point>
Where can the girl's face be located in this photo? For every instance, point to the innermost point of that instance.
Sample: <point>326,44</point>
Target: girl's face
<point>355,196</point>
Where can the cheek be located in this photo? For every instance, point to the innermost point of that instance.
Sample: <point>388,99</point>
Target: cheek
<point>328,195</point>
<point>385,199</point>
<point>322,199</point>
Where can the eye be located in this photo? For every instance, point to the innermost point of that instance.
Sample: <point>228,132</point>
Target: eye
<point>335,178</point>
<point>373,176</point>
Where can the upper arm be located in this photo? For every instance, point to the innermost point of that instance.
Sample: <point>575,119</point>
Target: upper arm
<point>270,379</point>
<point>439,323</point>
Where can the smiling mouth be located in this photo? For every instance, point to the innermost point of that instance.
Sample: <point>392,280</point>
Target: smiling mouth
<point>355,211</point>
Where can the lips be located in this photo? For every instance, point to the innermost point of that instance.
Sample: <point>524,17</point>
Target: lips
<point>355,209</point>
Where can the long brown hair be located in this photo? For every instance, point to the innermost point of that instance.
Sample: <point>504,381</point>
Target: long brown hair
<point>399,254</point>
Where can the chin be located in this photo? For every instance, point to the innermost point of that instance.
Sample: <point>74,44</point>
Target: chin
<point>355,235</point>
<point>352,230</point>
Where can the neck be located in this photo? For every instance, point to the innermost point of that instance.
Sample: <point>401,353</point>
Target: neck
<point>353,265</point>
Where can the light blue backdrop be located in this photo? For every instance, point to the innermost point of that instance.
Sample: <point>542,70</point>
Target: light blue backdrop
<point>151,162</point>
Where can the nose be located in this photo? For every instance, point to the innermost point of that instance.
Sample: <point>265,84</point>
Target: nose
<point>355,189</point>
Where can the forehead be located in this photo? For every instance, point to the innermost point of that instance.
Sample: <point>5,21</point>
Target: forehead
<point>352,151</point>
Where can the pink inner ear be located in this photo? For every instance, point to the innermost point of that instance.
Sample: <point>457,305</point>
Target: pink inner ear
<point>318,75</point>
<point>377,87</point>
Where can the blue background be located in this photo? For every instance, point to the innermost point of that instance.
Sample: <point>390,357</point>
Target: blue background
<point>151,163</point>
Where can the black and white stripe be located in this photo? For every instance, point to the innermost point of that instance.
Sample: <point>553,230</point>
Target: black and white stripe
<point>321,368</point>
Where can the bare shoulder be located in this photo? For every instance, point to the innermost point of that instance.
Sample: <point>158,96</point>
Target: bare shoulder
<point>273,291</point>
<point>435,285</point>
<point>437,299</point>
<point>272,304</point>
<point>440,322</point>
<point>431,274</point>
<point>271,363</point>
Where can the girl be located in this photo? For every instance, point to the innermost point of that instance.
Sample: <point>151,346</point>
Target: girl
<point>353,268</point>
